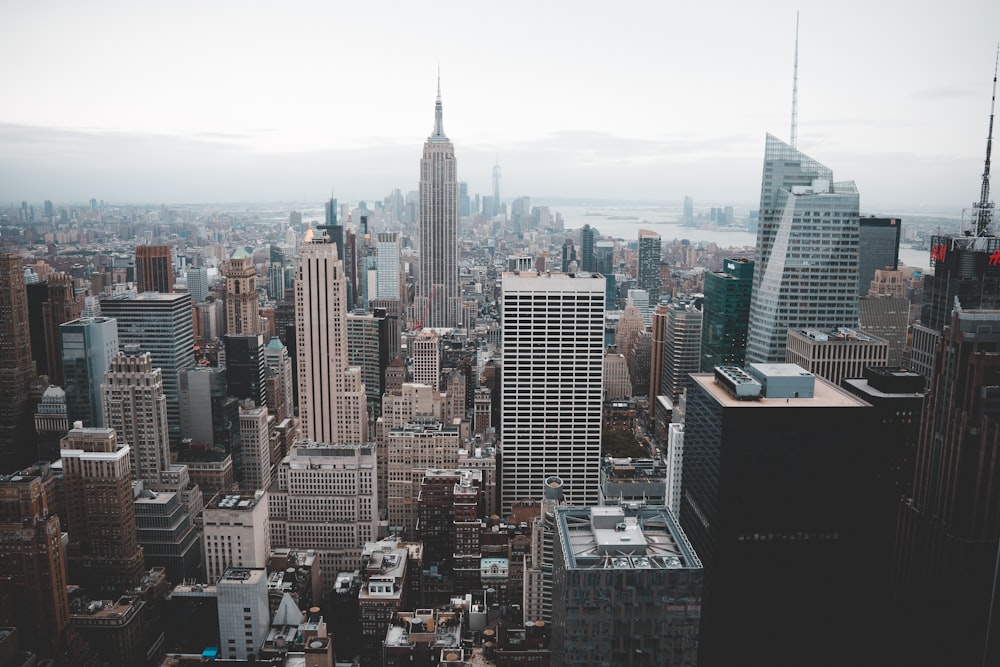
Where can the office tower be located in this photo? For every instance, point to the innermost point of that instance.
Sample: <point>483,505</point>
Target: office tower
<point>255,447</point>
<point>649,264</point>
<point>34,559</point>
<point>835,354</point>
<point>886,317</point>
<point>587,248</point>
<point>160,324</point>
<point>387,258</point>
<point>331,394</point>
<point>807,252</point>
<point>726,314</point>
<point>50,303</point>
<point>438,296</point>
<point>464,203</point>
<point>280,394</point>
<point>878,248</point>
<point>154,271</point>
<point>244,614</point>
<point>553,362</point>
<point>770,518</point>
<point>496,189</point>
<point>209,414</point>
<point>640,299</point>
<point>395,376</point>
<point>638,355</point>
<point>537,598</point>
<point>242,316</point>
<point>617,381</point>
<point>681,346</point>
<point>245,367</point>
<point>658,340</point>
<point>946,552</point>
<point>51,423</point>
<point>166,532</point>
<point>135,406</point>
<point>427,359</point>
<point>324,500</point>
<point>570,263</point>
<point>88,345</point>
<point>236,533</point>
<point>197,283</point>
<point>17,371</point>
<point>350,259</point>
<point>688,210</point>
<point>103,553</point>
<point>449,506</point>
<point>601,552</point>
<point>369,351</point>
<point>412,450</point>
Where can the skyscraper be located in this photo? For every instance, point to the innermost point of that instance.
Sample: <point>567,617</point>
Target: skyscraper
<point>649,264</point>
<point>587,260</point>
<point>767,460</point>
<point>807,252</point>
<point>50,303</point>
<point>104,552</point>
<point>438,297</point>
<point>553,367</point>
<point>242,316</point>
<point>154,271</point>
<point>878,248</point>
<point>387,262</point>
<point>88,345</point>
<point>331,394</point>
<point>245,364</point>
<point>17,371</point>
<point>681,347</point>
<point>135,406</point>
<point>496,189</point>
<point>197,283</point>
<point>726,313</point>
<point>160,324</point>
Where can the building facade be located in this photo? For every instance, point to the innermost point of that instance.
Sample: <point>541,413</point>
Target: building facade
<point>134,404</point>
<point>88,346</point>
<point>552,384</point>
<point>726,314</point>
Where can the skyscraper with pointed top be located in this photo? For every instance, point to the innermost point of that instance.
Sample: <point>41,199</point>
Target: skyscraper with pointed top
<point>438,299</point>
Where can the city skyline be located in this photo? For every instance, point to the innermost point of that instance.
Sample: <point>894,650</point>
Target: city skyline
<point>238,106</point>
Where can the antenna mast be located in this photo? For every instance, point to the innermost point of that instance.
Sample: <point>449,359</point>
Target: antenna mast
<point>795,88</point>
<point>984,207</point>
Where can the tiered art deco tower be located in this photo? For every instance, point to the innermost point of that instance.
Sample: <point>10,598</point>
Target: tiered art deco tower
<point>438,298</point>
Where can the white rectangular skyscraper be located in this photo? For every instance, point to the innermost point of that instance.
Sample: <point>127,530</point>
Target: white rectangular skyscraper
<point>553,373</point>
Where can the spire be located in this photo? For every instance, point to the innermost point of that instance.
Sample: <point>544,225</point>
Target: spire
<point>984,207</point>
<point>795,89</point>
<point>438,115</point>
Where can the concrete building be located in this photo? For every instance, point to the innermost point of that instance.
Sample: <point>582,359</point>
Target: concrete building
<point>135,406</point>
<point>209,414</point>
<point>255,447</point>
<point>617,381</point>
<point>236,533</point>
<point>627,481</point>
<point>627,588</point>
<point>387,258</point>
<point>325,499</point>
<point>384,592</point>
<point>51,423</point>
<point>681,347</point>
<point>242,314</point>
<point>104,554</point>
<point>166,532</point>
<point>278,381</point>
<point>887,318</point>
<point>244,616</point>
<point>332,401</point>
<point>552,384</point>
<point>426,356</point>
<point>837,354</point>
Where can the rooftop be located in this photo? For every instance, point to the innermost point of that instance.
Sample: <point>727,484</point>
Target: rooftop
<point>825,395</point>
<point>429,627</point>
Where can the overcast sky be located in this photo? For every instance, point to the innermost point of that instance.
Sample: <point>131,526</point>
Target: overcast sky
<point>251,101</point>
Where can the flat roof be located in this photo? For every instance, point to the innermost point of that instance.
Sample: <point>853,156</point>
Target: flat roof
<point>825,394</point>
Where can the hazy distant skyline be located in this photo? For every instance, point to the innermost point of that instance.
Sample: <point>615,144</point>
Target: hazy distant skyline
<point>252,101</point>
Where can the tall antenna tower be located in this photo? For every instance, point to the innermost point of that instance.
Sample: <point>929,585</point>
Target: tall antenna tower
<point>795,88</point>
<point>983,209</point>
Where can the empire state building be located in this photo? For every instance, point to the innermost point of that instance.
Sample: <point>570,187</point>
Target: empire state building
<point>438,299</point>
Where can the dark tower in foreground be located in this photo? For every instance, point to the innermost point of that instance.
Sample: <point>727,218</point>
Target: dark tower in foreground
<point>16,367</point>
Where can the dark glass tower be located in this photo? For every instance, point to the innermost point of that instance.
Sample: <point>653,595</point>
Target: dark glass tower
<point>587,248</point>
<point>245,367</point>
<point>726,312</point>
<point>648,273</point>
<point>878,249</point>
<point>776,498</point>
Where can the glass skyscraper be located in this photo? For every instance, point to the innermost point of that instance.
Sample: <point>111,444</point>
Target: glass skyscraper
<point>807,252</point>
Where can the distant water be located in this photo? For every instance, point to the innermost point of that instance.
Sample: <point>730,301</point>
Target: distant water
<point>625,222</point>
